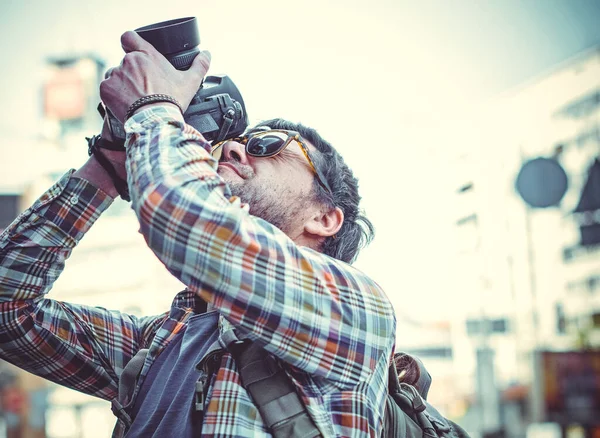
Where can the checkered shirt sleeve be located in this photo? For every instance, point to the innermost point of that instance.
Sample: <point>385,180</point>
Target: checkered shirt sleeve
<point>81,347</point>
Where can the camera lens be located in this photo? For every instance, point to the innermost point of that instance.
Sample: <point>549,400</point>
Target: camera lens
<point>177,40</point>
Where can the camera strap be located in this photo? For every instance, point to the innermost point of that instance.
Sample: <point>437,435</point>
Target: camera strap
<point>228,116</point>
<point>96,143</point>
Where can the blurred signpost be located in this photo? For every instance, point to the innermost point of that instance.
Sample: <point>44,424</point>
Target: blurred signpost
<point>488,393</point>
<point>542,183</point>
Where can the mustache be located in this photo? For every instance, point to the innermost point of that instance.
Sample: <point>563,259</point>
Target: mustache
<point>244,170</point>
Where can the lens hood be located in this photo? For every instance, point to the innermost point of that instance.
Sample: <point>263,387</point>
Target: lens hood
<point>172,37</point>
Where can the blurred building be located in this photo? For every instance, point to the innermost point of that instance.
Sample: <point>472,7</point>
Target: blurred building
<point>529,278</point>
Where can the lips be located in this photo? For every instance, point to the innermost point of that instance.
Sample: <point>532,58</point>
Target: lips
<point>227,165</point>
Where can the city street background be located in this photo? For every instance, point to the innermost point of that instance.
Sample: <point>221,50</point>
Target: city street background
<point>435,105</point>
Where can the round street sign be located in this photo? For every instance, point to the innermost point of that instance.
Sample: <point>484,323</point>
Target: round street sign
<point>542,182</point>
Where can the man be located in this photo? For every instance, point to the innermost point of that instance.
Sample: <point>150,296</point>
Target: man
<point>254,236</point>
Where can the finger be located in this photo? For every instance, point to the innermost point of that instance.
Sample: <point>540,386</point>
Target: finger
<point>132,42</point>
<point>201,63</point>
<point>108,72</point>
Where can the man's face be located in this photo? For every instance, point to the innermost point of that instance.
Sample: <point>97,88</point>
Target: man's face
<point>277,189</point>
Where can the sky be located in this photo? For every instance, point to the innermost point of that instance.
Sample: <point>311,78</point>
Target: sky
<point>382,80</point>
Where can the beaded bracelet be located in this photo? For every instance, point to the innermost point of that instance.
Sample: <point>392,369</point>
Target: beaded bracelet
<point>147,100</point>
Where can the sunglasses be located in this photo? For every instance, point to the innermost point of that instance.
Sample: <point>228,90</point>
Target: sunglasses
<point>265,144</point>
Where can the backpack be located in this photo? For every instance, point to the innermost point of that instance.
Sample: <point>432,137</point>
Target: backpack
<point>407,413</point>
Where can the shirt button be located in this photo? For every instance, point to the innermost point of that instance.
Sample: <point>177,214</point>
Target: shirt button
<point>73,200</point>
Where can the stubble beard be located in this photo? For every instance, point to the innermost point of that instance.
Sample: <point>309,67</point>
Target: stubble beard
<point>269,203</point>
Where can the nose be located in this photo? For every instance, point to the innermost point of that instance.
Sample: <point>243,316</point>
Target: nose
<point>234,151</point>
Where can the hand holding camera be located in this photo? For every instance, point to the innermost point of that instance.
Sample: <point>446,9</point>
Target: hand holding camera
<point>162,63</point>
<point>144,71</point>
<point>216,109</point>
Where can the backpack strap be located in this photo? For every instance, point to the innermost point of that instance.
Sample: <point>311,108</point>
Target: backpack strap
<point>127,383</point>
<point>397,423</point>
<point>207,367</point>
<point>400,411</point>
<point>408,414</point>
<point>424,381</point>
<point>271,389</point>
<point>458,431</point>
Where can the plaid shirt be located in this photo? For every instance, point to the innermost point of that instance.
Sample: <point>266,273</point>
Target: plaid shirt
<point>331,327</point>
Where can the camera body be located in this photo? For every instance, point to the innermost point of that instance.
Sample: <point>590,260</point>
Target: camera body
<point>217,109</point>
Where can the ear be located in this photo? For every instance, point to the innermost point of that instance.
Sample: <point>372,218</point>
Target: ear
<point>325,224</point>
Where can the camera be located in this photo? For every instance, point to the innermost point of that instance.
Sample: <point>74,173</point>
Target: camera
<point>217,109</point>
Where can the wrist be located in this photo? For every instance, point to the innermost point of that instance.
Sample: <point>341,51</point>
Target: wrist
<point>151,99</point>
<point>154,105</point>
<point>95,174</point>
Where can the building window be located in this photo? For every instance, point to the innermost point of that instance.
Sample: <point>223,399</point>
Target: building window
<point>577,251</point>
<point>589,285</point>
<point>438,352</point>
<point>472,218</point>
<point>9,209</point>
<point>465,188</point>
<point>476,326</point>
<point>581,108</point>
<point>499,326</point>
